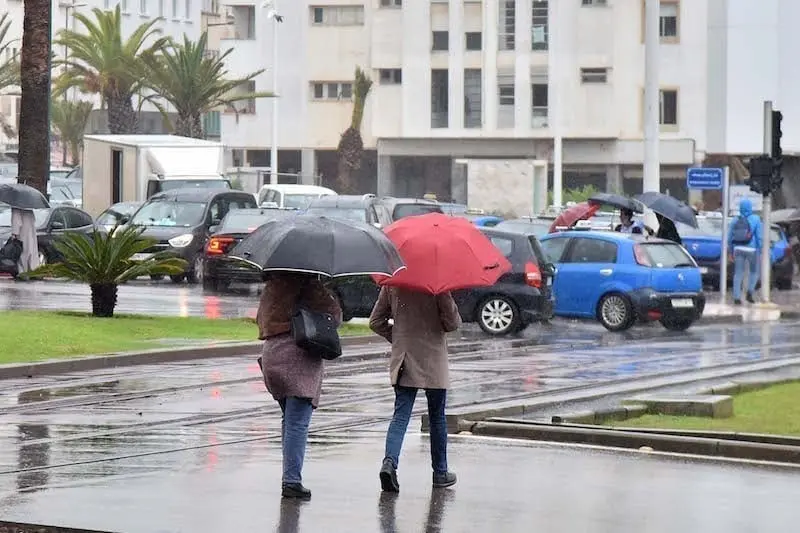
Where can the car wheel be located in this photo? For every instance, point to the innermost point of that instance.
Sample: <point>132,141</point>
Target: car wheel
<point>676,324</point>
<point>156,277</point>
<point>615,312</point>
<point>177,278</point>
<point>195,272</point>
<point>784,284</point>
<point>498,315</point>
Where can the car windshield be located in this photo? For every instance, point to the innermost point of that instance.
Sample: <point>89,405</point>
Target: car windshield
<point>169,185</point>
<point>346,213</point>
<point>60,191</point>
<point>114,213</point>
<point>169,213</point>
<point>298,201</point>
<point>410,210</point>
<point>667,255</point>
<point>246,222</point>
<point>40,215</point>
<point>705,227</point>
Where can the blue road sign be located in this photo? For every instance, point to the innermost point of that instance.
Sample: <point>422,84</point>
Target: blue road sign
<point>704,178</point>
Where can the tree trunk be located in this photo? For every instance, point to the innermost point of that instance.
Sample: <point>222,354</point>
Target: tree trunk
<point>344,178</point>
<point>121,115</point>
<point>34,127</point>
<point>190,126</point>
<point>104,299</point>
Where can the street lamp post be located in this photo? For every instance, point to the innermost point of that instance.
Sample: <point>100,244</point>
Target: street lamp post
<point>273,15</point>
<point>652,163</point>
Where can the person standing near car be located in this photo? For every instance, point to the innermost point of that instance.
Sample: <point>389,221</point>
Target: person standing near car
<point>627,224</point>
<point>421,322</point>
<point>23,227</point>
<point>744,238</point>
<point>667,229</point>
<point>291,374</point>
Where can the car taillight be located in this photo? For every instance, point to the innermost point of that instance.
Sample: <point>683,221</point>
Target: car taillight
<point>787,251</point>
<point>641,256</point>
<point>218,245</point>
<point>533,276</point>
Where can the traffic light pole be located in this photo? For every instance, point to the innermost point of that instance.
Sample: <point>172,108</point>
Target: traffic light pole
<point>766,212</point>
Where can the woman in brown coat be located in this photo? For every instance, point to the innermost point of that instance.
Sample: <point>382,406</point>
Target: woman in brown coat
<point>418,361</point>
<point>292,376</point>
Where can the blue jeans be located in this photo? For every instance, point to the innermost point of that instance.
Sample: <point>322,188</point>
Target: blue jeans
<point>403,405</point>
<point>296,416</point>
<point>744,259</point>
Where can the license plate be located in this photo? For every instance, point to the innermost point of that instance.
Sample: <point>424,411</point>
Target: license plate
<point>704,270</point>
<point>141,257</point>
<point>682,302</point>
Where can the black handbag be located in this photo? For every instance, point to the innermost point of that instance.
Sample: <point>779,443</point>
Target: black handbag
<point>316,333</point>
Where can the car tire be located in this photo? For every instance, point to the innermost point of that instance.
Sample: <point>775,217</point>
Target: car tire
<point>784,284</point>
<point>615,312</point>
<point>676,324</point>
<point>177,278</point>
<point>498,315</point>
<point>195,272</point>
<point>156,277</point>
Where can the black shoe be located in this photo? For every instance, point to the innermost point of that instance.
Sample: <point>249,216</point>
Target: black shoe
<point>750,298</point>
<point>440,481</point>
<point>295,491</point>
<point>737,302</point>
<point>388,477</point>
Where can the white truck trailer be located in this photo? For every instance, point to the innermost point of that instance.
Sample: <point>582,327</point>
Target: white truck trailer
<point>132,168</point>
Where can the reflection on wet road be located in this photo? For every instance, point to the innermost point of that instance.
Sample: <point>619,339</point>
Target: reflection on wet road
<point>94,449</point>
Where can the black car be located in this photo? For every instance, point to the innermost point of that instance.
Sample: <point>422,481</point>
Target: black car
<point>407,207</point>
<point>519,297</point>
<point>116,214</point>
<point>50,224</point>
<point>366,208</point>
<point>182,220</point>
<point>219,270</point>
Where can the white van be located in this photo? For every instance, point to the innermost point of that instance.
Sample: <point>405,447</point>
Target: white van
<point>290,196</point>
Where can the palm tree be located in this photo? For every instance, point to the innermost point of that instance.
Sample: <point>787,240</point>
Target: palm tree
<point>351,146</point>
<point>9,69</point>
<point>69,120</point>
<point>34,124</point>
<point>193,82</point>
<point>104,261</point>
<point>100,62</point>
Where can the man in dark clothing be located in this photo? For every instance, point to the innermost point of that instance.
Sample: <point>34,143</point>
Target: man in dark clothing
<point>667,229</point>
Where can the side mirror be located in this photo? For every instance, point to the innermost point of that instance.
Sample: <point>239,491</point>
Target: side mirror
<point>56,225</point>
<point>213,229</point>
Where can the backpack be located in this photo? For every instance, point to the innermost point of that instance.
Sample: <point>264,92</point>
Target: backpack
<point>10,254</point>
<point>741,232</point>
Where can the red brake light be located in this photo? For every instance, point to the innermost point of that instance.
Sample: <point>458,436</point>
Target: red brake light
<point>218,245</point>
<point>640,255</point>
<point>533,276</point>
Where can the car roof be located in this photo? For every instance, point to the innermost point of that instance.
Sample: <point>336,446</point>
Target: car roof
<point>342,200</point>
<point>266,211</point>
<point>613,236</point>
<point>195,195</point>
<point>298,189</point>
<point>495,232</point>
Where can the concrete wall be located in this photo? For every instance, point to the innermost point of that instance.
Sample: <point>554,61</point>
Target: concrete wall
<point>507,186</point>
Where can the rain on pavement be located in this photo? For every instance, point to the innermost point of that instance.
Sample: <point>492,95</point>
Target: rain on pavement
<point>195,444</point>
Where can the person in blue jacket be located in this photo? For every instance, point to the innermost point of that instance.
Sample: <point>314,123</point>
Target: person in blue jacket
<point>744,239</point>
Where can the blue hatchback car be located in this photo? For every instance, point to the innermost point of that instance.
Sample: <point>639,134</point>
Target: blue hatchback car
<point>622,279</point>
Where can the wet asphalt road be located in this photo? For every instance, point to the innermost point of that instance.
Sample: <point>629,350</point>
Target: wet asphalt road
<point>193,446</point>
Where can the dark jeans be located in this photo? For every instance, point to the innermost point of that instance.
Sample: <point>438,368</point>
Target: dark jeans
<point>403,405</point>
<point>294,435</point>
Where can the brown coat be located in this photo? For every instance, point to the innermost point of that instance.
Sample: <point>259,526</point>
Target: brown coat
<point>289,370</point>
<point>418,336</point>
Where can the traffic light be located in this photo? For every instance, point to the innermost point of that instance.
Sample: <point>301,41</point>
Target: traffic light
<point>777,153</point>
<point>761,174</point>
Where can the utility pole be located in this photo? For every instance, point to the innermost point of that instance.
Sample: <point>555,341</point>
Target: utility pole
<point>555,53</point>
<point>276,19</point>
<point>652,42</point>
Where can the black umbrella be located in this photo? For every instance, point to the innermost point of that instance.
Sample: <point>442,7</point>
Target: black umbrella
<point>669,207</point>
<point>616,200</point>
<point>319,245</point>
<point>22,196</point>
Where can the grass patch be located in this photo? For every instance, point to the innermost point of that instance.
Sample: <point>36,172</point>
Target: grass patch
<point>27,336</point>
<point>774,411</point>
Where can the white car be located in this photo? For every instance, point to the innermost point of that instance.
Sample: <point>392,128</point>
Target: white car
<point>290,196</point>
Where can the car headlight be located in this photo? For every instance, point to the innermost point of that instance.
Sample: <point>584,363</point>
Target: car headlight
<point>181,241</point>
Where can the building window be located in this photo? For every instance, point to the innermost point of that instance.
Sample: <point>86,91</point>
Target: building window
<point>594,75</point>
<point>668,20</point>
<point>668,107</point>
<point>441,41</point>
<point>174,9</point>
<point>473,97</point>
<point>594,2</point>
<point>211,124</point>
<point>332,90</point>
<point>507,20</point>
<point>391,3</point>
<point>123,6</point>
<point>143,7</point>
<point>540,31</point>
<point>473,40</point>
<point>160,8</point>
<point>390,76</point>
<point>337,15</point>
<point>505,100</point>
<point>440,95</point>
<point>188,8</point>
<point>539,98</point>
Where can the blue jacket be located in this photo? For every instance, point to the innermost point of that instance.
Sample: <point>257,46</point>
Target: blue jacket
<point>746,210</point>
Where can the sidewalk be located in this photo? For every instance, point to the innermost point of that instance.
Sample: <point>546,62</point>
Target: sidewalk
<point>503,486</point>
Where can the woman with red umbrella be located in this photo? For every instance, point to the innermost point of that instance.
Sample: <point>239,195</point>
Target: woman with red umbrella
<point>441,254</point>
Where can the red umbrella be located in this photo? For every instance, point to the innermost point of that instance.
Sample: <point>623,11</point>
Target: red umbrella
<point>569,217</point>
<point>443,254</point>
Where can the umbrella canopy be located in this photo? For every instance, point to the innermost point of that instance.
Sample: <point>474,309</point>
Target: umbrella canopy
<point>568,217</point>
<point>319,245</point>
<point>669,207</point>
<point>443,254</point>
<point>616,200</point>
<point>22,196</point>
<point>785,216</point>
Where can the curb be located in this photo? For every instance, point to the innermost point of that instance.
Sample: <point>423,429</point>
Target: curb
<point>740,319</point>
<point>630,439</point>
<point>17,527</point>
<point>172,355</point>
